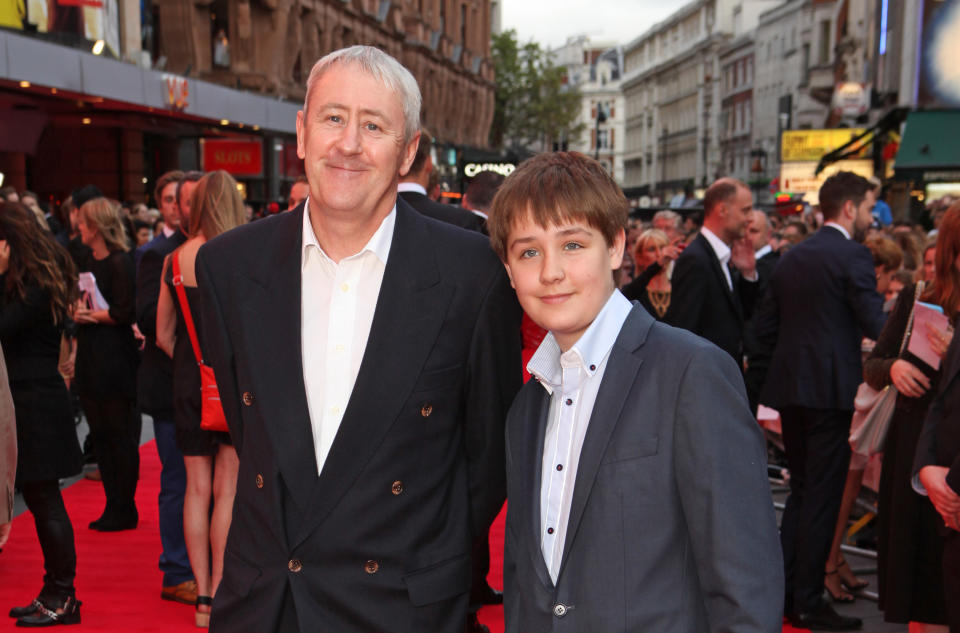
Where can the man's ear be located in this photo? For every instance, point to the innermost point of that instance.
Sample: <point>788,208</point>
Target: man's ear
<point>509,275</point>
<point>408,154</point>
<point>616,249</point>
<point>301,136</point>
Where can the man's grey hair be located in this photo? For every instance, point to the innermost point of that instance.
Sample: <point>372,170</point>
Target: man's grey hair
<point>670,216</point>
<point>382,67</point>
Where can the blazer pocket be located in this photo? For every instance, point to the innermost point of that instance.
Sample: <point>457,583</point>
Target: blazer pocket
<point>239,575</point>
<point>438,379</point>
<point>632,449</point>
<point>438,581</point>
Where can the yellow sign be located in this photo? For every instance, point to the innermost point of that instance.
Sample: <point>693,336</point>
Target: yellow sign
<point>800,177</point>
<point>807,145</point>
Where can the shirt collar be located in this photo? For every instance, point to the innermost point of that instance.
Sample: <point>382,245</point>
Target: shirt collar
<point>411,186</point>
<point>719,247</point>
<point>547,363</point>
<point>378,244</point>
<point>845,232</point>
<point>763,250</point>
<point>167,231</point>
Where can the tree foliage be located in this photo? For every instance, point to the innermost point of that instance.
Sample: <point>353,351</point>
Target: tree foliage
<point>534,107</point>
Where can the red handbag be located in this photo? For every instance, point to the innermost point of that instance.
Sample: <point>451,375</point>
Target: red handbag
<point>212,417</point>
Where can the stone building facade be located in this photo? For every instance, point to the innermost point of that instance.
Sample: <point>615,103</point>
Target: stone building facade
<point>269,46</point>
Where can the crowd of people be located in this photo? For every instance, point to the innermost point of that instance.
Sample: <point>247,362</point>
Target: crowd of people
<point>367,350</point>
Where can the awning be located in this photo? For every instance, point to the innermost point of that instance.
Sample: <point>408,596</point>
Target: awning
<point>930,150</point>
<point>889,122</point>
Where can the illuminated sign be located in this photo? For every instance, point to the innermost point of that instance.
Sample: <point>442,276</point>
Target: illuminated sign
<point>812,145</point>
<point>801,177</point>
<point>236,157</point>
<point>472,169</point>
<point>178,91</point>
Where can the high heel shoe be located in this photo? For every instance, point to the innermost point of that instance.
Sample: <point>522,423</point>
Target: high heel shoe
<point>839,596</point>
<point>68,612</point>
<point>202,618</point>
<point>848,579</point>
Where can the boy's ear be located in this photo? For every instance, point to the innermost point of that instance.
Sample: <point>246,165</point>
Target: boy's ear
<point>509,275</point>
<point>616,249</point>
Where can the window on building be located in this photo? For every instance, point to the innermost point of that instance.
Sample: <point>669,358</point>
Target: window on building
<point>823,56</point>
<point>805,70</point>
<point>219,33</point>
<point>463,25</point>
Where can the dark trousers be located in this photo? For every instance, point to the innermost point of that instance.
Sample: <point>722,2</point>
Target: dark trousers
<point>55,533</point>
<point>951,578</point>
<point>818,456</point>
<point>115,428</point>
<point>174,562</point>
<point>481,567</point>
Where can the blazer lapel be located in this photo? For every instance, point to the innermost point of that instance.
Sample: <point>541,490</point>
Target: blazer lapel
<point>274,314</point>
<point>618,378</point>
<point>531,456</point>
<point>408,317</point>
<point>721,277</point>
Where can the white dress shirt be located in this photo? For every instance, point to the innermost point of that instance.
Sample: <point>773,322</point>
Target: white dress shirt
<point>572,379</point>
<point>411,186</point>
<point>337,305</point>
<point>846,233</point>
<point>722,251</point>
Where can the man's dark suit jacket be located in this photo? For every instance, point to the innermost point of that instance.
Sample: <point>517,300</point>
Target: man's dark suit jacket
<point>821,301</point>
<point>939,443</point>
<point>155,376</point>
<point>671,527</point>
<point>380,540</point>
<point>444,212</point>
<point>702,302</point>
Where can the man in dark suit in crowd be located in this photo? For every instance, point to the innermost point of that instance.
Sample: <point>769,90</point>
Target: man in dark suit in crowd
<point>715,278</point>
<point>413,190</point>
<point>757,355</point>
<point>366,356</point>
<point>937,468</point>
<point>479,194</point>
<point>820,302</point>
<point>155,390</point>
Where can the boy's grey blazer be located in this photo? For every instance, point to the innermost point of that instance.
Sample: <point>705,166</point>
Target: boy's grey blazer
<point>672,526</point>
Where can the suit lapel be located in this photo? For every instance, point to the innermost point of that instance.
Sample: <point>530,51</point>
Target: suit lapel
<point>717,268</point>
<point>530,457</point>
<point>274,312</point>
<point>618,378</point>
<point>408,317</point>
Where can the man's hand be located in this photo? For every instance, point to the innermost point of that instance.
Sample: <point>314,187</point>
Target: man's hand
<point>908,379</point>
<point>943,497</point>
<point>743,257</point>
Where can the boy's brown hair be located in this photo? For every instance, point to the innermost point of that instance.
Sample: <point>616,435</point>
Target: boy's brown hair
<point>557,188</point>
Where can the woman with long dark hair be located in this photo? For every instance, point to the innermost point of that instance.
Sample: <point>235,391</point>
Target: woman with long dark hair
<point>106,366</point>
<point>39,284</point>
<point>909,547</point>
<point>210,458</point>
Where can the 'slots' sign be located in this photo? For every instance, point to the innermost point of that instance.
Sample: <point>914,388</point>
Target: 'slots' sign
<point>236,157</point>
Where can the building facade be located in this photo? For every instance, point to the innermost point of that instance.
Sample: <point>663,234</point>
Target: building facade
<point>737,158</point>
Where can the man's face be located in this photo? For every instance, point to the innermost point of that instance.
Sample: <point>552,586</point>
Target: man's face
<point>186,195</point>
<point>562,274</point>
<point>168,205</point>
<point>757,229</point>
<point>863,216</point>
<point>667,226</point>
<point>351,141</point>
<point>737,211</point>
<point>298,193</point>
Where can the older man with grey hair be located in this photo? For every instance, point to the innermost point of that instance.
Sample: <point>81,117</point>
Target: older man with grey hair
<point>366,356</point>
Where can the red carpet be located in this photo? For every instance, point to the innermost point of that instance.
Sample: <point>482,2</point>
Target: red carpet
<point>117,576</point>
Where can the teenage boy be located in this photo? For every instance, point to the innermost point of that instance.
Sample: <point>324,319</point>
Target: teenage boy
<point>636,475</point>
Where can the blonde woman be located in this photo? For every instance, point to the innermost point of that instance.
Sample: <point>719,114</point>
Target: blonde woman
<point>651,286</point>
<point>210,458</point>
<point>106,365</point>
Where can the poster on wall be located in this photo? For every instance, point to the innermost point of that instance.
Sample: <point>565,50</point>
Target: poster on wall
<point>89,20</point>
<point>102,22</point>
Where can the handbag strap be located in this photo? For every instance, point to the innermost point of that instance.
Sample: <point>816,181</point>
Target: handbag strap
<point>185,306</point>
<point>906,332</point>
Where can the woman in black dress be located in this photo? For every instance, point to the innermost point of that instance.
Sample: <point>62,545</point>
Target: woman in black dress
<point>106,366</point>
<point>909,548</point>
<point>39,284</point>
<point>210,458</point>
<point>651,286</point>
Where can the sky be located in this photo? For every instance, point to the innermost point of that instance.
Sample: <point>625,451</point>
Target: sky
<point>551,22</point>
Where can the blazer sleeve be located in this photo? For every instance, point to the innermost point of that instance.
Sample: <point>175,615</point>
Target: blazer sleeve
<point>217,349</point>
<point>725,497</point>
<point>766,322</point>
<point>493,379</point>
<point>749,292</point>
<point>688,292</point>
<point>148,290</point>
<point>862,296</point>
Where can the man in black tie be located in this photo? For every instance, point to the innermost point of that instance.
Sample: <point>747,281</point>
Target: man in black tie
<point>715,278</point>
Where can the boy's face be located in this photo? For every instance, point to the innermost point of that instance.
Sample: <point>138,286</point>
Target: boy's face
<point>562,274</point>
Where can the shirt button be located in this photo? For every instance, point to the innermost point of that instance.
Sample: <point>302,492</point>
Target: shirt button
<point>397,487</point>
<point>295,565</point>
<point>371,567</point>
<point>345,287</point>
<point>335,410</point>
<point>338,348</point>
<point>247,398</point>
<point>549,530</point>
<point>426,410</point>
<point>559,609</point>
<point>559,466</point>
<point>593,368</point>
<point>569,400</point>
<point>259,480</point>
